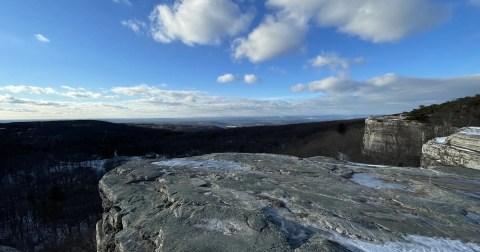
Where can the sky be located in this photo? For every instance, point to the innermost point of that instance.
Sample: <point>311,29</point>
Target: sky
<point>201,58</point>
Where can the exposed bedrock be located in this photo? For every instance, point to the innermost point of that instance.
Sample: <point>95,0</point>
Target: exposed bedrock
<point>263,202</point>
<point>459,149</point>
<point>395,140</point>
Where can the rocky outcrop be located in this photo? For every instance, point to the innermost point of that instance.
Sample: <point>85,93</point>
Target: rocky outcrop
<point>460,149</point>
<point>262,202</point>
<point>395,140</point>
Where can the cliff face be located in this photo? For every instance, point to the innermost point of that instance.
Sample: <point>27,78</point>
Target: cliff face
<point>460,149</point>
<point>261,202</point>
<point>395,140</point>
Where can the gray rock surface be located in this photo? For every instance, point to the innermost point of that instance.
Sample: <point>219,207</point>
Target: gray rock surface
<point>263,202</point>
<point>395,140</point>
<point>459,149</point>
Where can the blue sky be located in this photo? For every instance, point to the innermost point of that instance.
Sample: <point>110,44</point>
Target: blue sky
<point>189,58</point>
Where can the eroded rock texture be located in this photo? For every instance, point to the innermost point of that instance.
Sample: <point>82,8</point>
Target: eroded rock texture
<point>395,140</point>
<point>262,202</point>
<point>460,149</point>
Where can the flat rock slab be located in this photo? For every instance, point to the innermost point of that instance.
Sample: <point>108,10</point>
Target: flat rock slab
<point>263,202</point>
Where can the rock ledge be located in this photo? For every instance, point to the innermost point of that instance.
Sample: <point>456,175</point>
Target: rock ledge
<point>262,202</point>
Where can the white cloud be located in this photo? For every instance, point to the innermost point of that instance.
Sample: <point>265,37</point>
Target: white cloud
<point>127,2</point>
<point>298,87</point>
<point>380,21</point>
<point>135,25</point>
<point>68,88</point>
<point>27,89</point>
<point>372,20</point>
<point>84,95</point>
<point>226,78</point>
<point>333,84</point>
<point>250,78</point>
<point>145,90</point>
<point>384,79</point>
<point>331,60</point>
<point>41,38</point>
<point>198,21</point>
<point>383,94</point>
<point>272,38</point>
<point>284,32</point>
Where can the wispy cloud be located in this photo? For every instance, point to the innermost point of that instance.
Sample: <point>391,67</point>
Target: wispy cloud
<point>27,89</point>
<point>136,26</point>
<point>41,38</point>
<point>298,87</point>
<point>149,91</point>
<point>83,95</point>
<point>127,2</point>
<point>336,64</point>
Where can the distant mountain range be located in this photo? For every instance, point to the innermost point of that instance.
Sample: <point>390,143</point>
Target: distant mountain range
<point>223,122</point>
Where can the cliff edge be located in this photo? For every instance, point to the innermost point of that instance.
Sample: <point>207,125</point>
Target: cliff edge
<point>263,202</point>
<point>396,140</point>
<point>459,149</point>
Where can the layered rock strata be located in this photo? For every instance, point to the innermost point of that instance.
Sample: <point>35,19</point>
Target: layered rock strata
<point>459,149</point>
<point>395,140</point>
<point>262,202</point>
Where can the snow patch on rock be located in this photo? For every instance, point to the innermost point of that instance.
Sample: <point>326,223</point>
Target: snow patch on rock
<point>203,164</point>
<point>372,181</point>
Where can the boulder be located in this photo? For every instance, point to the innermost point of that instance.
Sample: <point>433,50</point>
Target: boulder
<point>264,202</point>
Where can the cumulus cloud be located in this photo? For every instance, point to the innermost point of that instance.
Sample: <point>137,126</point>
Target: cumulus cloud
<point>198,21</point>
<point>41,38</point>
<point>250,78</point>
<point>275,36</point>
<point>284,32</point>
<point>135,25</point>
<point>226,78</point>
<point>27,89</point>
<point>372,20</point>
